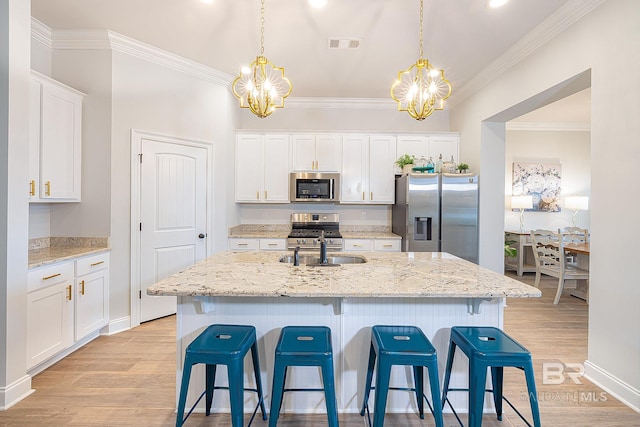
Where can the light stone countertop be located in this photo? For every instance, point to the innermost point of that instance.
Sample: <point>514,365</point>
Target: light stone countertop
<point>50,255</point>
<point>386,274</point>
<point>281,231</point>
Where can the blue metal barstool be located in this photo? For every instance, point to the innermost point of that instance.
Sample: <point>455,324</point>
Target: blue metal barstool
<point>401,345</point>
<point>303,346</point>
<point>223,345</point>
<point>489,347</point>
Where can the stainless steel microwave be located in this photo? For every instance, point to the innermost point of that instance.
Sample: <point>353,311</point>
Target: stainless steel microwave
<point>314,187</point>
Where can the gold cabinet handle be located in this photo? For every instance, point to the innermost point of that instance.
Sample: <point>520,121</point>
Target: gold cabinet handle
<point>257,195</point>
<point>242,244</point>
<point>93,264</point>
<point>47,188</point>
<point>371,196</point>
<point>32,188</point>
<point>69,292</point>
<point>82,287</point>
<point>357,245</point>
<point>265,195</point>
<point>52,276</point>
<point>386,245</point>
<point>272,244</point>
<point>363,195</point>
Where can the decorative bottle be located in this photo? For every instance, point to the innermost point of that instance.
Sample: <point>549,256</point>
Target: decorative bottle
<point>430,165</point>
<point>439,164</point>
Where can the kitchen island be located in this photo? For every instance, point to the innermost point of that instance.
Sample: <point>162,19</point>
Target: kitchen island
<point>431,290</point>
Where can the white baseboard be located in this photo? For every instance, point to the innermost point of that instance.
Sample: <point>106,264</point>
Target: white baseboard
<point>118,325</point>
<point>622,391</point>
<point>15,392</point>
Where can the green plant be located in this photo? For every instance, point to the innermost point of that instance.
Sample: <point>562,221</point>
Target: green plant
<point>463,167</point>
<point>508,250</point>
<point>406,159</point>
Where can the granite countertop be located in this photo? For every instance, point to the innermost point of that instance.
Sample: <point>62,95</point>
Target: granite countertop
<point>48,250</point>
<point>281,231</point>
<point>388,274</point>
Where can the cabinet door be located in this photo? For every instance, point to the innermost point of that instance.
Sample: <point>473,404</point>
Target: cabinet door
<point>237,244</point>
<point>92,303</point>
<point>415,145</point>
<point>328,153</point>
<point>60,144</point>
<point>355,169</point>
<point>357,245</point>
<point>382,155</point>
<point>35,122</point>
<point>276,168</point>
<point>445,145</point>
<point>303,148</point>
<point>49,322</point>
<point>248,168</point>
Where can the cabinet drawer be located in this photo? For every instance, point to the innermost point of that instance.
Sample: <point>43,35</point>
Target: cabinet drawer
<point>357,244</point>
<point>389,245</point>
<point>244,244</point>
<point>50,275</point>
<point>273,244</point>
<point>92,263</point>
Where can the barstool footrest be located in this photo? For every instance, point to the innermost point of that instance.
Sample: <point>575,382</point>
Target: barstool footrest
<point>446,399</point>
<point>253,414</point>
<point>424,396</point>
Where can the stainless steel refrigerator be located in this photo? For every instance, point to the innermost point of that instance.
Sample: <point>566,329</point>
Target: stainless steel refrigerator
<point>437,213</point>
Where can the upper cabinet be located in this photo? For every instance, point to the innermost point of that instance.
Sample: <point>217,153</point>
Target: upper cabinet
<point>54,141</point>
<point>262,168</point>
<point>429,146</point>
<point>368,169</point>
<point>316,153</point>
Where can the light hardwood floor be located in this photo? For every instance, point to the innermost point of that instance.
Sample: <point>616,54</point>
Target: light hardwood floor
<point>129,379</point>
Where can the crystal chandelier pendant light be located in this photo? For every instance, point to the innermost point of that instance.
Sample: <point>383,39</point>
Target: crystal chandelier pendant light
<point>420,89</point>
<point>262,87</point>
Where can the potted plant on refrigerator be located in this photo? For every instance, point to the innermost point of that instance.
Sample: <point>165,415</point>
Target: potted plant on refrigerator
<point>463,167</point>
<point>405,162</point>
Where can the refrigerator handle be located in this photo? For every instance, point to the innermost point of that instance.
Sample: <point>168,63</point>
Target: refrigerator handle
<point>422,229</point>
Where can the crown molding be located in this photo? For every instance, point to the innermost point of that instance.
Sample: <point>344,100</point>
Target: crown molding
<point>341,103</point>
<point>549,126</point>
<point>562,19</point>
<point>40,32</point>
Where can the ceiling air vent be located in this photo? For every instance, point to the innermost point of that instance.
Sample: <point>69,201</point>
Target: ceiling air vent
<point>343,43</point>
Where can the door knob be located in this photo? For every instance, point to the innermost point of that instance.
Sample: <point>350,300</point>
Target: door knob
<point>201,236</point>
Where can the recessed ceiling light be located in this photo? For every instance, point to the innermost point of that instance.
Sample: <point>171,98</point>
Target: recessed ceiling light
<point>497,3</point>
<point>318,4</point>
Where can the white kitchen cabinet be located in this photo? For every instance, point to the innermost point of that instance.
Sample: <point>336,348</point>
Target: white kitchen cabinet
<point>316,152</point>
<point>428,146</point>
<point>50,312</point>
<point>66,302</point>
<point>243,244</point>
<point>92,294</point>
<point>262,168</point>
<point>368,169</point>
<point>55,134</point>
<point>367,245</point>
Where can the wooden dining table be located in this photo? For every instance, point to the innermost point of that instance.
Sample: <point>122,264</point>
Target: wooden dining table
<point>582,261</point>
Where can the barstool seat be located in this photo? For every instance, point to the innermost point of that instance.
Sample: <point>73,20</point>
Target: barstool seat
<point>222,345</point>
<point>489,347</point>
<point>401,345</point>
<point>303,346</point>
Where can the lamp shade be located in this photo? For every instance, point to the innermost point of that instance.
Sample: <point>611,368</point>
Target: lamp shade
<point>521,202</point>
<point>578,203</point>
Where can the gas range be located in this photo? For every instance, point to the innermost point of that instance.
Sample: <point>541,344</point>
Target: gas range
<point>306,229</point>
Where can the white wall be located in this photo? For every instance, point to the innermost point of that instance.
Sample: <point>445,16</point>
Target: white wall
<point>572,150</point>
<point>605,41</point>
<point>152,98</point>
<point>14,156</point>
<point>354,117</point>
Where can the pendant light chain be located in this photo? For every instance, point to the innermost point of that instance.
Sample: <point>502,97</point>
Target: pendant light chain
<point>262,28</point>
<point>421,28</point>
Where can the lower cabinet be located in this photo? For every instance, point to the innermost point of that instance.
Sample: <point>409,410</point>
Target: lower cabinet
<point>66,302</point>
<point>240,244</point>
<point>368,245</point>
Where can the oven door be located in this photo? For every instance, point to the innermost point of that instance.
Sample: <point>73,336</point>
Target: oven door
<point>314,187</point>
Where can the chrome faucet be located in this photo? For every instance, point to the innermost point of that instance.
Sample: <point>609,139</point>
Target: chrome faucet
<point>323,248</point>
<point>296,256</point>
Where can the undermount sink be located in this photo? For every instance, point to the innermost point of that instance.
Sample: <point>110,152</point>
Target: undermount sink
<point>313,260</point>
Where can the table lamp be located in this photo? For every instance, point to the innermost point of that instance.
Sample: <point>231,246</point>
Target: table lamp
<point>522,203</point>
<point>576,203</point>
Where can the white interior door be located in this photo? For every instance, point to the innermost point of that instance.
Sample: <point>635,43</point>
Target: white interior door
<point>173,215</point>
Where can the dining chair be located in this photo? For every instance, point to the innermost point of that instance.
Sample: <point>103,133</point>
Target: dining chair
<point>550,259</point>
<point>574,235</point>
